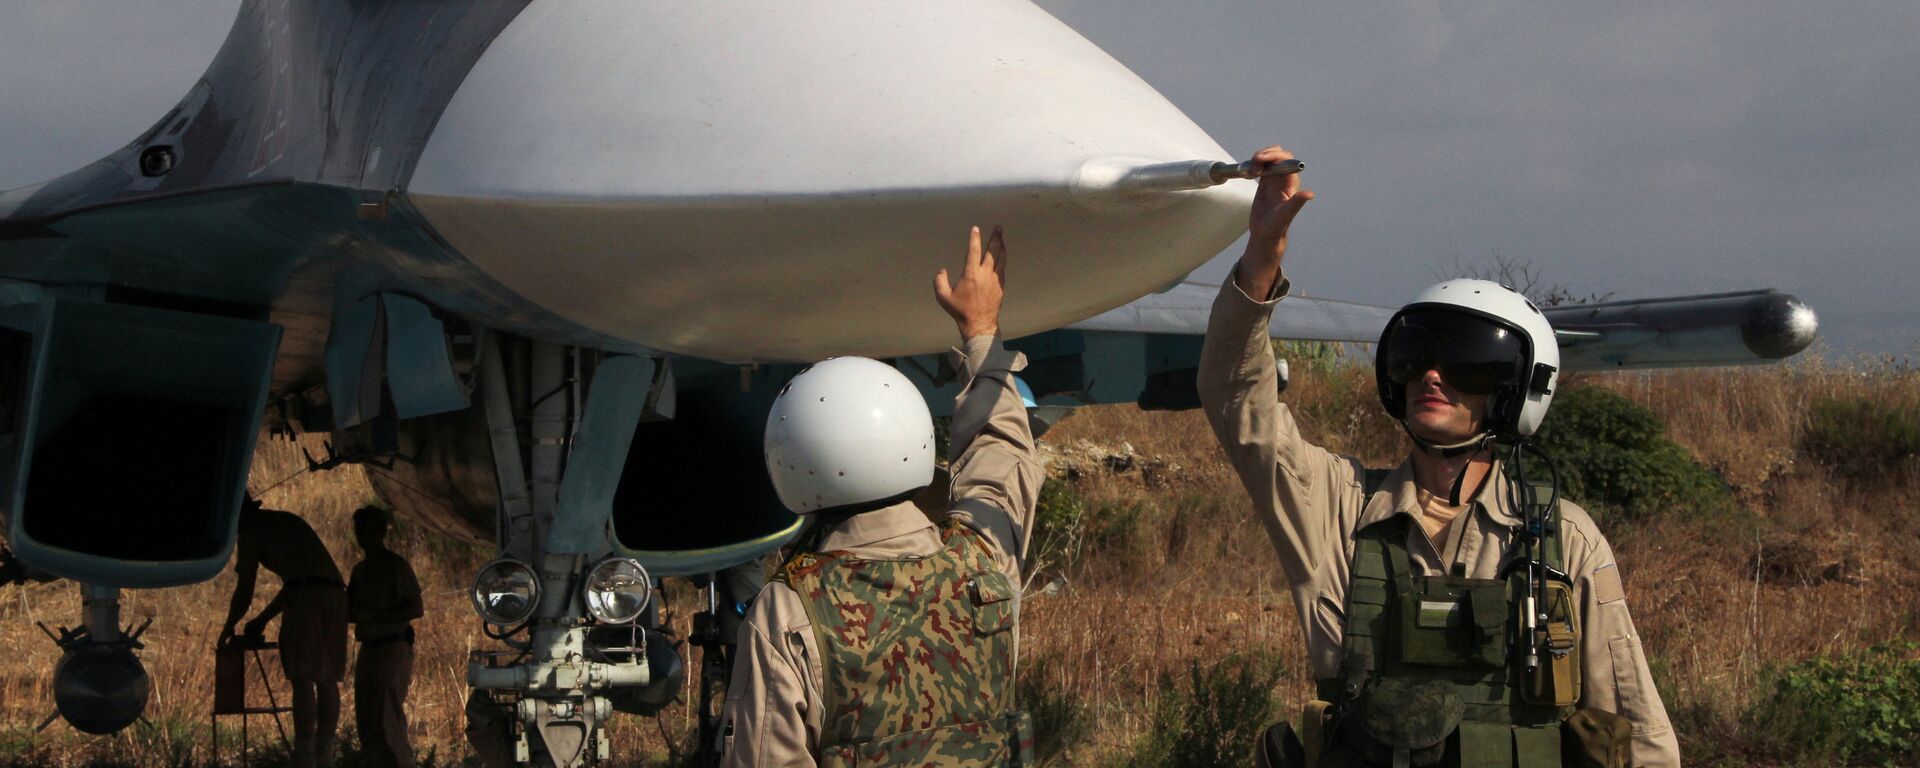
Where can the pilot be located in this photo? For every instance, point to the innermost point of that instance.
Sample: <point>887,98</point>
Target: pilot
<point>383,599</point>
<point>313,633</point>
<point>1399,576</point>
<point>891,640</point>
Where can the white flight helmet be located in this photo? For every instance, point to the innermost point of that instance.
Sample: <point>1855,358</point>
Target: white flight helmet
<point>848,431</point>
<point>1486,339</point>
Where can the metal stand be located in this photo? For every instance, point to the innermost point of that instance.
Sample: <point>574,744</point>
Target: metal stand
<point>230,694</point>
<point>716,667</point>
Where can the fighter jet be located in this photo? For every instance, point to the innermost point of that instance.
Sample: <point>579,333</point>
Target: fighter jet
<point>542,265</point>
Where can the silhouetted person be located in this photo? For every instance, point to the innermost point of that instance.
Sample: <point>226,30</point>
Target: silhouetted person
<point>313,633</point>
<point>383,600</point>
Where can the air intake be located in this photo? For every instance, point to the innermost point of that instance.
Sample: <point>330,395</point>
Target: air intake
<point>136,432</point>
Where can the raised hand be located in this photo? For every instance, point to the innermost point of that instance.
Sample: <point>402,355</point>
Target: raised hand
<point>974,301</point>
<point>1279,200</point>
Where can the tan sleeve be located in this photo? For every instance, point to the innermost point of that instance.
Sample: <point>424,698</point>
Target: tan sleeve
<point>1615,675</point>
<point>1306,496</point>
<point>995,469</point>
<point>772,716</point>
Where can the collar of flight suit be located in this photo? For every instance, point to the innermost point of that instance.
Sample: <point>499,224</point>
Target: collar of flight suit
<point>1402,497</point>
<point>894,531</point>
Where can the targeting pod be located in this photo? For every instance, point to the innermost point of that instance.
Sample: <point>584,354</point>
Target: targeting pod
<point>1743,328</point>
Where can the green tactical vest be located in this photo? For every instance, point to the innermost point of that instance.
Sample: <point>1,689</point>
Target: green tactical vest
<point>1426,657</point>
<point>917,656</point>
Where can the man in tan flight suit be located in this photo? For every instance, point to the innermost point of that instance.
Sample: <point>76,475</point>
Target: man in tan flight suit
<point>382,600</point>
<point>774,707</point>
<point>1312,502</point>
<point>313,633</point>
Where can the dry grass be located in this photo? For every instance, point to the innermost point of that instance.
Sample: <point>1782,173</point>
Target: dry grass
<point>1825,568</point>
<point>1174,569</point>
<point>1818,568</point>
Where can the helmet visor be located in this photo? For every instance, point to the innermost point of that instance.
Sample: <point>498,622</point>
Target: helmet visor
<point>1473,354</point>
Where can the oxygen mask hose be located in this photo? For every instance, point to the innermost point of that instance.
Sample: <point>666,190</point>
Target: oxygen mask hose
<point>1460,479</point>
<point>1535,518</point>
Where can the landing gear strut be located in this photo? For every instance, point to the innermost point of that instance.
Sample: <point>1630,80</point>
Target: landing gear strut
<point>546,701</point>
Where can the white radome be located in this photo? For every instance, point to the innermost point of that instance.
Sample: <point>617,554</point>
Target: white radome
<point>639,168</point>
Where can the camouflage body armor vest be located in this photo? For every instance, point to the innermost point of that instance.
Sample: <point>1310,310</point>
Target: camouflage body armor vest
<point>1432,670</point>
<point>917,656</point>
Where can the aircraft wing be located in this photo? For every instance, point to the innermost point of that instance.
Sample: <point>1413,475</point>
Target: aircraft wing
<point>1184,308</point>
<point>1737,328</point>
<point>1147,352</point>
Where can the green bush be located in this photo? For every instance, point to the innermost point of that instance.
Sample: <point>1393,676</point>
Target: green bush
<point>1114,528</point>
<point>1614,457</point>
<point>942,438</point>
<point>1321,357</point>
<point>1060,720</point>
<point>1861,438</point>
<point>1070,532</point>
<point>1216,720</point>
<point>1859,708</point>
<point>1059,526</point>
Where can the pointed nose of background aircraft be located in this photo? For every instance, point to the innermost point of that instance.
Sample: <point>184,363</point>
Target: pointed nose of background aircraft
<point>775,181</point>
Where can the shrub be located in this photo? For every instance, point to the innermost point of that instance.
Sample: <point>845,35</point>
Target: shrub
<point>1059,527</point>
<point>1861,438</point>
<point>1858,708</point>
<point>942,438</point>
<point>1216,721</point>
<point>1321,357</point>
<point>1114,529</point>
<point>1614,457</point>
<point>1060,720</point>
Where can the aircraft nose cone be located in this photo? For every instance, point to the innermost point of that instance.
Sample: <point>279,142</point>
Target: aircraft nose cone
<point>779,181</point>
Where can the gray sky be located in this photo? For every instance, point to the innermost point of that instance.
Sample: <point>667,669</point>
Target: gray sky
<point>1642,148</point>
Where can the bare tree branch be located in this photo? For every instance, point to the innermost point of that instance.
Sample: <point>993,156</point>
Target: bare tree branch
<point>1524,276</point>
